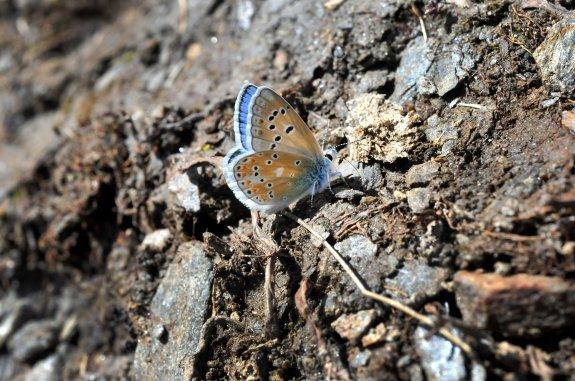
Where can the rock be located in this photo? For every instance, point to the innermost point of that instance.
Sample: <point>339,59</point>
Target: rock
<point>359,359</point>
<point>374,335</point>
<point>568,120</point>
<point>440,132</point>
<point>416,281</point>
<point>381,130</point>
<point>180,305</point>
<point>521,305</point>
<point>48,369</point>
<point>441,360</point>
<point>13,313</point>
<point>157,241</point>
<point>361,253</point>
<point>347,194</point>
<point>418,199</point>
<point>422,174</point>
<point>415,62</point>
<point>352,326</point>
<point>556,57</point>
<point>429,69</point>
<point>185,194</point>
<point>373,81</point>
<point>34,340</point>
<point>450,67</point>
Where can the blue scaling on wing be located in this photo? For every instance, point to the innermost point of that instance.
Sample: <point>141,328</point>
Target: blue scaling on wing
<point>244,99</point>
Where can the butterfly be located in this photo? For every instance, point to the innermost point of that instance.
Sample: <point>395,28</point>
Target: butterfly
<point>277,159</point>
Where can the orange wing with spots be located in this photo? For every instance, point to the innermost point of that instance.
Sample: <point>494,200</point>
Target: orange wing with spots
<point>270,180</point>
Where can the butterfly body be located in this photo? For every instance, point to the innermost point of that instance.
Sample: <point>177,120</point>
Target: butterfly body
<point>277,159</point>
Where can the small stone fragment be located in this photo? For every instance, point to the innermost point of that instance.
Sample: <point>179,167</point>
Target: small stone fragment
<point>521,305</point>
<point>441,360</point>
<point>359,359</point>
<point>14,313</point>
<point>556,57</point>
<point>186,195</point>
<point>418,199</point>
<point>374,336</point>
<point>157,241</point>
<point>34,340</point>
<point>361,253</point>
<point>416,281</point>
<point>568,120</point>
<point>381,130</point>
<point>422,174</point>
<point>48,369</point>
<point>351,326</point>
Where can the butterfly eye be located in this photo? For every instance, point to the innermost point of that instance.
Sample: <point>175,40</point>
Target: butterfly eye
<point>297,162</point>
<point>289,129</point>
<point>329,157</point>
<point>273,146</point>
<point>270,185</point>
<point>278,138</point>
<point>271,127</point>
<point>269,162</point>
<point>283,111</point>
<point>275,156</point>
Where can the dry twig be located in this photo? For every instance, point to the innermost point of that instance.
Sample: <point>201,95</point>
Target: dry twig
<point>425,320</point>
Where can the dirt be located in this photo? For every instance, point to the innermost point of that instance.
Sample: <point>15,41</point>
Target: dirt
<point>113,115</point>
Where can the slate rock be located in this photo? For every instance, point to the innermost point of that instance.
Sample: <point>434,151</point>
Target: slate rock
<point>415,62</point>
<point>49,369</point>
<point>441,360</point>
<point>13,314</point>
<point>556,57</point>
<point>34,340</point>
<point>181,306</point>
<point>418,199</point>
<point>520,305</point>
<point>422,174</point>
<point>416,281</point>
<point>361,253</point>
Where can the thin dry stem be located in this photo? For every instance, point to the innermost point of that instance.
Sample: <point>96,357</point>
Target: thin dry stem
<point>425,320</point>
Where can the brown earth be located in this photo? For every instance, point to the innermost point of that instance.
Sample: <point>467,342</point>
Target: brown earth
<point>125,255</point>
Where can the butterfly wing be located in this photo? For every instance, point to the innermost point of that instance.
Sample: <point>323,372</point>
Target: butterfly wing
<point>263,121</point>
<point>270,180</point>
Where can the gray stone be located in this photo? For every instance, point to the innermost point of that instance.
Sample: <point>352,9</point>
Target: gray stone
<point>185,194</point>
<point>415,62</point>
<point>416,281</point>
<point>180,305</point>
<point>34,340</point>
<point>418,199</point>
<point>48,369</point>
<point>422,174</point>
<point>439,132</point>
<point>13,314</point>
<point>347,194</point>
<point>361,253</point>
<point>373,81</point>
<point>556,57</point>
<point>441,360</point>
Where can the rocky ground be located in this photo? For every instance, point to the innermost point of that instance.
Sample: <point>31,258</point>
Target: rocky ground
<point>125,255</point>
